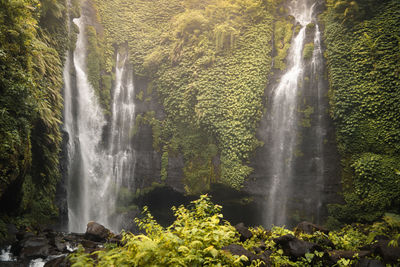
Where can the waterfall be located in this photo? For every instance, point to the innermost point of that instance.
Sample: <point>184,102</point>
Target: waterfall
<point>284,133</point>
<point>320,129</point>
<point>96,171</point>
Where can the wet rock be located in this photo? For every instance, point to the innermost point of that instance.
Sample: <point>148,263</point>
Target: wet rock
<point>235,249</point>
<point>370,263</point>
<point>58,262</point>
<point>294,247</point>
<point>336,255</point>
<point>34,247</point>
<point>389,254</point>
<point>243,231</point>
<point>89,244</point>
<point>310,228</point>
<point>60,244</point>
<point>96,232</point>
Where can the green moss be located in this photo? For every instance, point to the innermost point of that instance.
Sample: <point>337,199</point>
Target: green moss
<point>364,96</point>
<point>32,49</point>
<point>164,166</point>
<point>209,73</point>
<point>139,96</point>
<point>308,51</point>
<point>282,36</point>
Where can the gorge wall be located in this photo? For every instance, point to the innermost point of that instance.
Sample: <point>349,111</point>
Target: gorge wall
<point>204,74</point>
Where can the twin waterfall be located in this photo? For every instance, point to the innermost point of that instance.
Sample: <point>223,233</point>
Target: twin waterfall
<point>101,157</point>
<point>96,171</point>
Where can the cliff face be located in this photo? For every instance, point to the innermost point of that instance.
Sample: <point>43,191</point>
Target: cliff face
<point>199,97</point>
<point>362,57</point>
<point>32,45</point>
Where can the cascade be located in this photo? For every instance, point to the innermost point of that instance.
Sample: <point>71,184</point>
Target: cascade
<point>96,171</point>
<point>285,133</point>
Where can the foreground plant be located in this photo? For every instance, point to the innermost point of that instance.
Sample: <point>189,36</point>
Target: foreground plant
<point>195,238</point>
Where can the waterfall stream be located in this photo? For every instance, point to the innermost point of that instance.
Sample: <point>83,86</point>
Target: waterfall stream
<point>284,131</point>
<point>96,171</point>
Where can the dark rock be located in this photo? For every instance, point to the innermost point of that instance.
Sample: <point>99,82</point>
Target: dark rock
<point>347,254</point>
<point>389,254</point>
<point>262,245</point>
<point>294,247</point>
<point>73,237</point>
<point>381,237</point>
<point>96,232</point>
<point>257,250</point>
<point>34,247</point>
<point>235,249</point>
<point>243,231</point>
<point>265,258</point>
<point>58,262</point>
<point>60,244</point>
<point>11,235</point>
<point>310,228</point>
<point>370,263</point>
<point>11,264</point>
<point>24,235</point>
<point>88,244</point>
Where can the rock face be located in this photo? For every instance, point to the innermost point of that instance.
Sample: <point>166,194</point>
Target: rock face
<point>96,232</point>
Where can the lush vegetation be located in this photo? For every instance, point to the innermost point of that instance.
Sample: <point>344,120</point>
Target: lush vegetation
<point>363,53</point>
<point>32,46</point>
<point>209,62</point>
<point>199,234</point>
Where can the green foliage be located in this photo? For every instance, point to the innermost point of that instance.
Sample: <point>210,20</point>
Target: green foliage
<point>308,51</point>
<point>282,36</point>
<point>100,81</point>
<point>209,63</point>
<point>194,239</point>
<point>364,96</point>
<point>31,52</point>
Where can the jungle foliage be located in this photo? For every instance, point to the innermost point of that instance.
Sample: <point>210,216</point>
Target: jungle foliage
<point>32,47</point>
<point>199,233</point>
<point>209,62</point>
<point>363,60</point>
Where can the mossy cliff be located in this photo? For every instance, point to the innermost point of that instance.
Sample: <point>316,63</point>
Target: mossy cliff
<point>363,53</point>
<point>208,62</point>
<point>32,47</point>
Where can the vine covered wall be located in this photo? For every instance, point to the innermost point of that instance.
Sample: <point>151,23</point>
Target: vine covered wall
<point>363,52</point>
<point>32,47</point>
<point>208,62</point>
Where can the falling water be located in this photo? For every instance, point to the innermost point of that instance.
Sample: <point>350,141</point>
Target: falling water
<point>96,171</point>
<point>320,129</point>
<point>123,118</point>
<point>283,127</point>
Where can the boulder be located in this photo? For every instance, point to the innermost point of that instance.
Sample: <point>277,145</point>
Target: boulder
<point>235,249</point>
<point>310,228</point>
<point>390,254</point>
<point>265,258</point>
<point>34,247</point>
<point>96,232</point>
<point>88,244</point>
<point>370,263</point>
<point>58,262</point>
<point>243,231</point>
<point>295,247</point>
